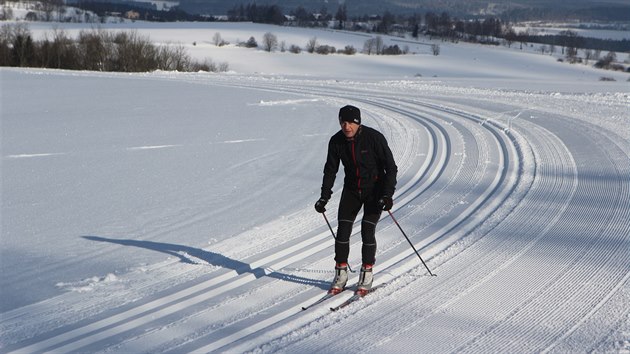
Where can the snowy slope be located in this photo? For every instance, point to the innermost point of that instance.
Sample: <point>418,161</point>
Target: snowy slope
<point>172,212</point>
<point>462,61</point>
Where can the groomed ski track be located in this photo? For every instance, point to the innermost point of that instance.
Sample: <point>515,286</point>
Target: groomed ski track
<point>503,200</point>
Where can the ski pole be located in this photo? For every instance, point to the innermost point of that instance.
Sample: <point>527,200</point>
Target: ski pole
<point>335,237</point>
<point>414,249</point>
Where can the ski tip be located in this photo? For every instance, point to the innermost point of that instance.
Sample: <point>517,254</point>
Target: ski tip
<point>333,309</point>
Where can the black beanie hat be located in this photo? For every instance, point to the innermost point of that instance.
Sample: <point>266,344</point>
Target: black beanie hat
<point>350,114</point>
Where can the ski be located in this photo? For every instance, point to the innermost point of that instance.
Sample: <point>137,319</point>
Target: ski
<point>357,296</point>
<point>320,300</point>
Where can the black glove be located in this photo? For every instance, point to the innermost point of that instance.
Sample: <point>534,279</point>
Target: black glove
<point>320,205</point>
<point>385,203</point>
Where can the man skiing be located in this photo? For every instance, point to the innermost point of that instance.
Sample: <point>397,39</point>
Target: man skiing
<point>370,181</point>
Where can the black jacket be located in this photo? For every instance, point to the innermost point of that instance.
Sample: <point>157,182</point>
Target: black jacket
<point>368,164</point>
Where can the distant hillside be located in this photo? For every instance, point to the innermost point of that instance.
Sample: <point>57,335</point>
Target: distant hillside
<point>453,7</point>
<point>354,7</point>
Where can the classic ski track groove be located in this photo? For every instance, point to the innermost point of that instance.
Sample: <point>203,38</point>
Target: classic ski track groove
<point>579,272</point>
<point>171,303</point>
<point>429,308</point>
<point>384,264</point>
<point>222,340</point>
<point>402,254</point>
<point>552,158</point>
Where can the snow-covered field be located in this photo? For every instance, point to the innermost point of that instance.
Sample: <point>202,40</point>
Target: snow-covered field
<point>173,212</point>
<point>555,29</point>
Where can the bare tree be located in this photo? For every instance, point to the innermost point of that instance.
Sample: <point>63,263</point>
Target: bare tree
<point>6,13</point>
<point>607,61</point>
<point>91,48</point>
<point>380,46</point>
<point>270,42</point>
<point>311,45</point>
<point>5,45</point>
<point>369,46</point>
<point>588,55</point>
<point>172,57</point>
<point>373,46</point>
<point>223,67</point>
<point>435,49</point>
<point>570,41</point>
<point>59,55</point>
<point>216,39</point>
<point>94,50</point>
<point>48,7</point>
<point>510,37</point>
<point>135,53</point>
<point>20,45</point>
<point>571,54</point>
<point>543,49</point>
<point>348,50</point>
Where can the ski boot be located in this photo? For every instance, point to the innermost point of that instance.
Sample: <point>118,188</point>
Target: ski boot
<point>365,280</point>
<point>341,278</point>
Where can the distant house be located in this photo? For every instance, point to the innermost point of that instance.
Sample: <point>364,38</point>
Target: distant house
<point>132,15</point>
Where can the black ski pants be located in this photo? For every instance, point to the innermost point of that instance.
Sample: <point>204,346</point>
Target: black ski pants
<point>349,206</point>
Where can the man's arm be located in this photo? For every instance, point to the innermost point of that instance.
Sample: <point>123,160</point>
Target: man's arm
<point>330,171</point>
<point>389,165</point>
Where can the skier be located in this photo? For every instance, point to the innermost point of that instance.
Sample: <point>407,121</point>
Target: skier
<point>370,181</point>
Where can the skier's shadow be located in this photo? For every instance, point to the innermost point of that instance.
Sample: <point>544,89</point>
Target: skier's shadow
<point>185,253</point>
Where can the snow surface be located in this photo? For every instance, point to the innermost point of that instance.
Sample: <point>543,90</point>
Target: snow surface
<point>173,212</point>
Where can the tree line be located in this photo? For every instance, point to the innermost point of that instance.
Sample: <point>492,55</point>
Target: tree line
<point>442,25</point>
<point>147,12</point>
<point>99,50</point>
<point>271,14</point>
<point>489,30</point>
<point>96,50</point>
<point>601,13</point>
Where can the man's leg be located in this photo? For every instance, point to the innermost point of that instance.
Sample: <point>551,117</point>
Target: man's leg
<point>371,215</point>
<point>349,207</point>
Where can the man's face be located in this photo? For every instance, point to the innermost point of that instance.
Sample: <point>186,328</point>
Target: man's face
<point>349,129</point>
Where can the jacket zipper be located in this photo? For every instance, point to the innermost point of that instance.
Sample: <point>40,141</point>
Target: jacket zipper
<point>356,165</point>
